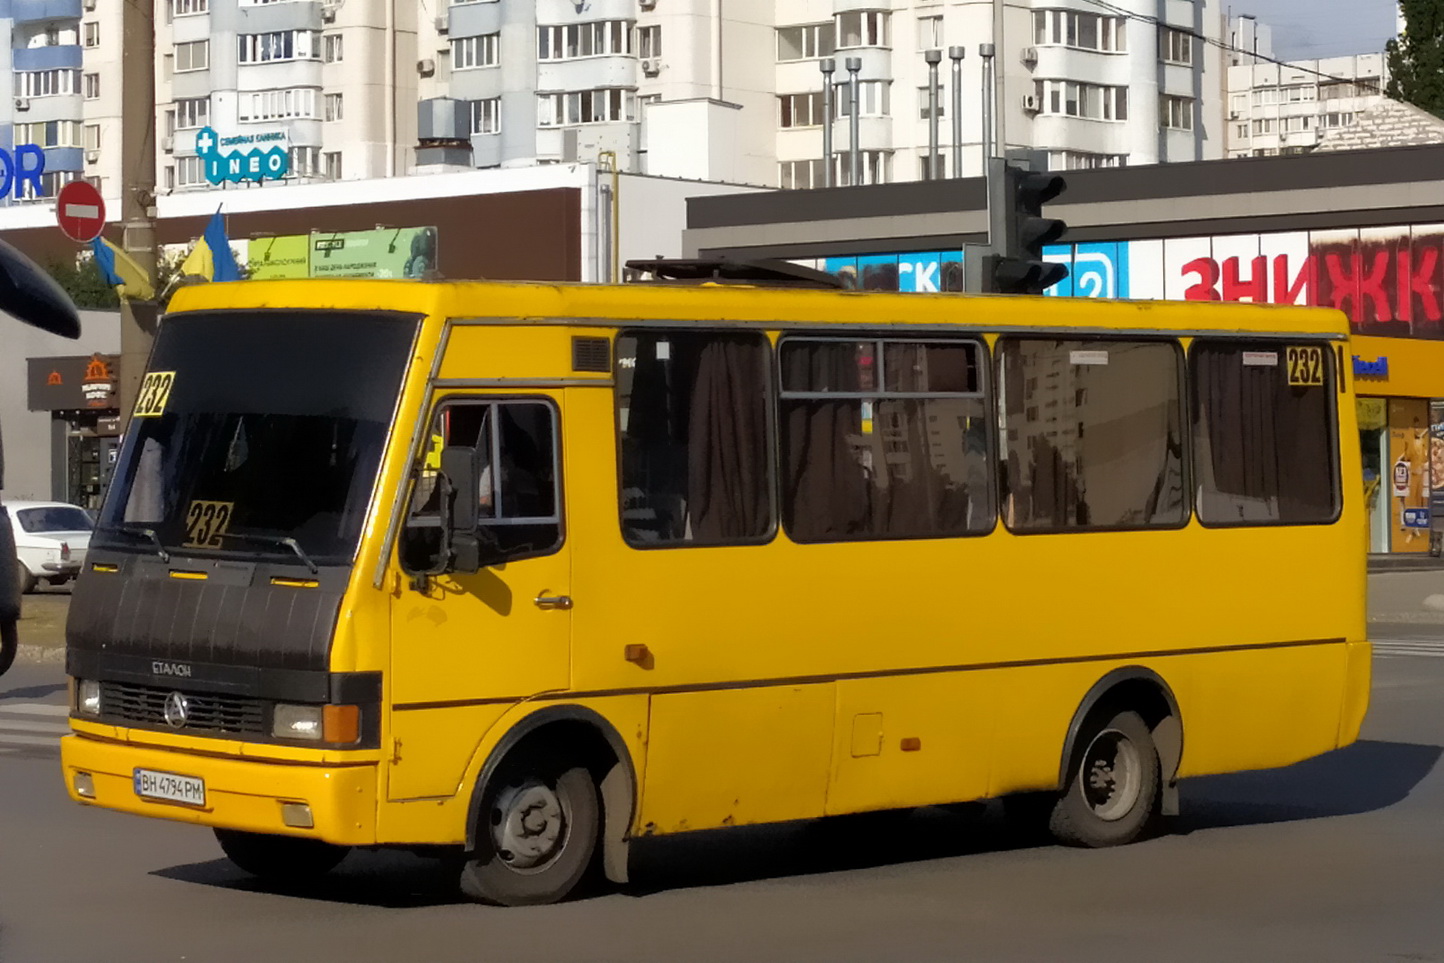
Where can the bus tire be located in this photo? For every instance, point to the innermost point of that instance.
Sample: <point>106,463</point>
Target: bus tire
<point>280,858</point>
<point>538,829</point>
<point>9,644</point>
<point>1112,791</point>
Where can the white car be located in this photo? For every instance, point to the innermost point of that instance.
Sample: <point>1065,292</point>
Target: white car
<point>51,539</point>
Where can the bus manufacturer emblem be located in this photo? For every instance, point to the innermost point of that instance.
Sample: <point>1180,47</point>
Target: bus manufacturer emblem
<point>177,710</point>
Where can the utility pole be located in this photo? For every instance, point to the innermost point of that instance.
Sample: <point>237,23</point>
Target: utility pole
<point>137,190</point>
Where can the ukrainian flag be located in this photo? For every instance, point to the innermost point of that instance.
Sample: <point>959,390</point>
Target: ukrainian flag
<point>120,271</point>
<point>211,258</point>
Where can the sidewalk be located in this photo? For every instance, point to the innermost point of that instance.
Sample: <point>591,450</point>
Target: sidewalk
<point>1404,595</point>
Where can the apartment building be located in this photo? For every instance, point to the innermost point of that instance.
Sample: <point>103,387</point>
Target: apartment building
<point>1290,108</point>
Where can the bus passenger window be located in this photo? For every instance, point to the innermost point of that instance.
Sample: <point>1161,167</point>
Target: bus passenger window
<point>694,439</point>
<point>1264,433</point>
<point>883,439</point>
<point>1092,434</point>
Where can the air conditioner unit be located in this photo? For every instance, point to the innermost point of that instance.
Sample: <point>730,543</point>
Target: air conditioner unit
<point>1030,55</point>
<point>1030,103</point>
<point>89,4</point>
<point>647,4</point>
<point>167,144</point>
<point>443,24</point>
<point>651,66</point>
<point>426,67</point>
<point>328,14</point>
<point>22,103</point>
<point>91,156</point>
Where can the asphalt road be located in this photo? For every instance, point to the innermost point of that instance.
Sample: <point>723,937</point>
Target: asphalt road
<point>1337,859</point>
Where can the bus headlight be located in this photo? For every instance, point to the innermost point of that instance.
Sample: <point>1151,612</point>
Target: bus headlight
<point>87,697</point>
<point>338,725</point>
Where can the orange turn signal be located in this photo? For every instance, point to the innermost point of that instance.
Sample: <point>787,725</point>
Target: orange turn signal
<point>340,724</point>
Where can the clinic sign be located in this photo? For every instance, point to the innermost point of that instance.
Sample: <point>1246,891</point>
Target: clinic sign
<point>243,157</point>
<point>19,167</point>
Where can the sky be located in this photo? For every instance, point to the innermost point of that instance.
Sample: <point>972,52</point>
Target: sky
<point>1309,29</point>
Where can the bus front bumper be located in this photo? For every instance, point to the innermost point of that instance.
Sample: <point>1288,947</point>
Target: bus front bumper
<point>339,802</point>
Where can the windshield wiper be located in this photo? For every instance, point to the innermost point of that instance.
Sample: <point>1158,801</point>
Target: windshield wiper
<point>141,533</point>
<point>284,541</point>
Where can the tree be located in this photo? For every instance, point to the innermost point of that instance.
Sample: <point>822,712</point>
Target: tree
<point>81,280</point>
<point>1416,57</point>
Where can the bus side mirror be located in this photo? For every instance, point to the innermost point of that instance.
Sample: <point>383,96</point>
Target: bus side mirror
<point>461,469</point>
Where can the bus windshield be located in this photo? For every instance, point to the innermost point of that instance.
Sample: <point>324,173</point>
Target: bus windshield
<point>258,432</point>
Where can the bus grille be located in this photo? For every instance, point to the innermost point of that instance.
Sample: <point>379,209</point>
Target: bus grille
<point>206,711</point>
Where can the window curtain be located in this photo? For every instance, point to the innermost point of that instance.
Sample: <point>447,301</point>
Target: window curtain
<point>728,498</point>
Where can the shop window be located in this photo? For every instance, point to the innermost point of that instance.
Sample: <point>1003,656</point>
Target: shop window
<point>1264,433</point>
<point>883,439</point>
<point>694,438</point>
<point>1093,434</point>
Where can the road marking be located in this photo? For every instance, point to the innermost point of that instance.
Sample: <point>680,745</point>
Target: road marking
<point>37,709</point>
<point>1421,648</point>
<point>16,725</point>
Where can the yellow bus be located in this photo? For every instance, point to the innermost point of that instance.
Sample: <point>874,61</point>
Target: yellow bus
<point>524,572</point>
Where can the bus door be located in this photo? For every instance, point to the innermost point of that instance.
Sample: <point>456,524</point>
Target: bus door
<point>465,646</point>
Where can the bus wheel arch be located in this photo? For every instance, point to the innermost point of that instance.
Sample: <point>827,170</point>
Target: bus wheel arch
<point>1143,691</point>
<point>579,738</point>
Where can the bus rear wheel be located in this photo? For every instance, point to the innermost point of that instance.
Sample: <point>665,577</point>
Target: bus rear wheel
<point>279,858</point>
<point>1113,785</point>
<point>536,834</point>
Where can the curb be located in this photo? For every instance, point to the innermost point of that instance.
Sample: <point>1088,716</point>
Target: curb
<point>40,655</point>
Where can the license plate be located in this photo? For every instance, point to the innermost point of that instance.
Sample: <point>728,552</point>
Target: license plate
<point>169,787</point>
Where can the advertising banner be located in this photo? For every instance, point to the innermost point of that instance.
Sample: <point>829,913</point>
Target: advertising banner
<point>1436,463</point>
<point>278,258</point>
<point>392,252</point>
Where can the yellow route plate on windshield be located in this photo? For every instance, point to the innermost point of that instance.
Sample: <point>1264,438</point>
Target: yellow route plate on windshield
<point>154,393</point>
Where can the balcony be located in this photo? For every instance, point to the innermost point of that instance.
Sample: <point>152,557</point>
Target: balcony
<point>36,11</point>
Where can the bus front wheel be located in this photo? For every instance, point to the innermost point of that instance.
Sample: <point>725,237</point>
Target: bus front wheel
<point>536,833</point>
<point>282,858</point>
<point>1112,790</point>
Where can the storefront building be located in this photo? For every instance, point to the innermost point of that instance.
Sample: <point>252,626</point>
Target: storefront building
<point>81,395</point>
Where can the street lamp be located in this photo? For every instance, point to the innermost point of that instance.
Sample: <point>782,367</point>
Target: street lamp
<point>827,65</point>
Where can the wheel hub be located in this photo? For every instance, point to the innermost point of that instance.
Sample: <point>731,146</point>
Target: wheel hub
<point>528,825</point>
<point>1111,774</point>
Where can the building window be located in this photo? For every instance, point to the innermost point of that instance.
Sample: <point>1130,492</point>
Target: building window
<point>862,28</point>
<point>649,41</point>
<point>586,107</point>
<point>486,116</point>
<point>694,438</point>
<point>46,83</point>
<point>923,103</point>
<point>1175,46</point>
<point>1082,100</point>
<point>1241,131</point>
<point>875,167</point>
<point>181,8</point>
<point>1078,160</point>
<point>1264,440</point>
<point>1297,125</point>
<point>257,48</point>
<point>92,137</point>
<point>1176,113</point>
<point>1087,31</point>
<point>478,51</point>
<point>874,95</point>
<point>194,55</point>
<point>92,34</point>
<point>936,170</point>
<point>930,32</point>
<point>333,107</point>
<point>92,86</point>
<point>262,105</point>
<point>806,41</point>
<point>190,172</point>
<point>332,50</point>
<point>800,110</point>
<point>1362,87</point>
<point>50,133</point>
<point>193,112</point>
<point>305,161</point>
<point>801,175</point>
<point>883,439</point>
<point>605,37</point>
<point>333,165</point>
<point>1066,464</point>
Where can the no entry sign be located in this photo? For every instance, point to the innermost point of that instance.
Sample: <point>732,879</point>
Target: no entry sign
<point>81,211</point>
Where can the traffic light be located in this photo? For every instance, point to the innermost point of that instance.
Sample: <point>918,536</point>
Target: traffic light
<point>1018,267</point>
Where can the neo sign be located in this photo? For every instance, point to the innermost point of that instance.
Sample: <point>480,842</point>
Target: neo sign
<point>239,163</point>
<point>22,167</point>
